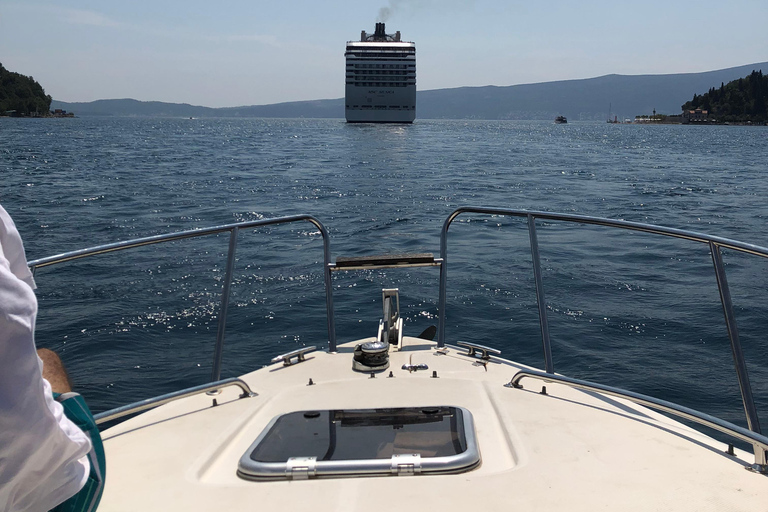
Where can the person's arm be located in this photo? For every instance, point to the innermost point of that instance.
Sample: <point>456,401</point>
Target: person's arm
<point>54,371</point>
<point>42,452</point>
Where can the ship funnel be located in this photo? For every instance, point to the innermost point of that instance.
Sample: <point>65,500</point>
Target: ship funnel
<point>380,31</point>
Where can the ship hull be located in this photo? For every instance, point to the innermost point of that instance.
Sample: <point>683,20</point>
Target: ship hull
<point>380,105</point>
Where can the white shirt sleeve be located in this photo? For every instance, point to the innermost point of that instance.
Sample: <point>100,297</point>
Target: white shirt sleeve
<point>42,453</point>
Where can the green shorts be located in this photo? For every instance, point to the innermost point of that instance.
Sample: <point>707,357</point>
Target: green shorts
<point>89,496</point>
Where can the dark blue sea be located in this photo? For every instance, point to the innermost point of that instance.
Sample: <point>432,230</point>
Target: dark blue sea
<point>626,309</point>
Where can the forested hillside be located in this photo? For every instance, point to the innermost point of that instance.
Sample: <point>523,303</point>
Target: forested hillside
<point>742,100</point>
<point>22,94</point>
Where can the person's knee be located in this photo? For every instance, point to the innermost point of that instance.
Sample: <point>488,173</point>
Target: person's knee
<point>54,371</point>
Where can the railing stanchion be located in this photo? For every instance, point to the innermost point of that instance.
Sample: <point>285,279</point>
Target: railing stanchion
<point>733,334</point>
<point>222,323</point>
<point>331,321</point>
<point>441,301</point>
<point>549,366</point>
<point>441,305</point>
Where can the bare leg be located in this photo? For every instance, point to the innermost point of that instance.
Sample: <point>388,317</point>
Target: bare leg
<point>54,372</point>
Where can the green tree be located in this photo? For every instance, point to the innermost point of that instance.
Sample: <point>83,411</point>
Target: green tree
<point>742,100</point>
<point>22,94</point>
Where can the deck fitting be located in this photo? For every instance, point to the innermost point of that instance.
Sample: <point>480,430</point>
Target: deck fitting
<point>310,383</point>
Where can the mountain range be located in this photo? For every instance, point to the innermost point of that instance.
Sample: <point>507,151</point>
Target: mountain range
<point>586,99</point>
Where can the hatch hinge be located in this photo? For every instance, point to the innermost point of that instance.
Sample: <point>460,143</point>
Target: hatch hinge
<point>300,468</point>
<point>406,464</point>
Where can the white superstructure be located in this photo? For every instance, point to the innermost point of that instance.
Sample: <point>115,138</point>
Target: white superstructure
<point>380,79</point>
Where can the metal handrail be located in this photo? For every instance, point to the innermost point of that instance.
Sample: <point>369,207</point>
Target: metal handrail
<point>157,401</point>
<point>715,244</point>
<point>757,440</point>
<point>233,229</point>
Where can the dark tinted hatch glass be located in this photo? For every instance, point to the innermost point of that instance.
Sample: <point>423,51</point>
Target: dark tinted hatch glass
<point>363,434</point>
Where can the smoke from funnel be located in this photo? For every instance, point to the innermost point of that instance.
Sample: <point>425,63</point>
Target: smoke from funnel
<point>384,14</point>
<point>389,10</point>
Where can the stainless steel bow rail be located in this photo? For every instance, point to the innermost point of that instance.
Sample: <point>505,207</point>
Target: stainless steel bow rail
<point>233,230</point>
<point>753,435</point>
<point>758,441</point>
<point>344,264</point>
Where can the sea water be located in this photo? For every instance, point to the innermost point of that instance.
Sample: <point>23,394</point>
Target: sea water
<point>625,309</point>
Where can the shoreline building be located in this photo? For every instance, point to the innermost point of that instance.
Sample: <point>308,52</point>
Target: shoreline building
<point>380,79</point>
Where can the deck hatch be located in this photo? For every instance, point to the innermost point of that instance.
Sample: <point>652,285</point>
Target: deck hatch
<point>363,442</point>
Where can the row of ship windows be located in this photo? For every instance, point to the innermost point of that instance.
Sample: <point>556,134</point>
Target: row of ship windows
<point>352,72</point>
<point>381,84</point>
<point>386,49</point>
<point>369,55</point>
<point>380,48</point>
<point>384,107</point>
<point>392,83</point>
<point>361,63</point>
<point>377,77</point>
<point>381,66</point>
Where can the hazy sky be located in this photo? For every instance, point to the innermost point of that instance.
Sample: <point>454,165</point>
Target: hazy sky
<point>231,53</point>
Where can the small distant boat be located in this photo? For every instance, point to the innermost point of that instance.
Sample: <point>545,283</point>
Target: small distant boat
<point>615,119</point>
<point>561,120</point>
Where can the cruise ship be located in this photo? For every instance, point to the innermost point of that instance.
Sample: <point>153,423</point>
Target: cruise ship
<point>381,78</point>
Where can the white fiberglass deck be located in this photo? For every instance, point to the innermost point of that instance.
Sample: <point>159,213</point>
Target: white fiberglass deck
<point>568,450</point>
